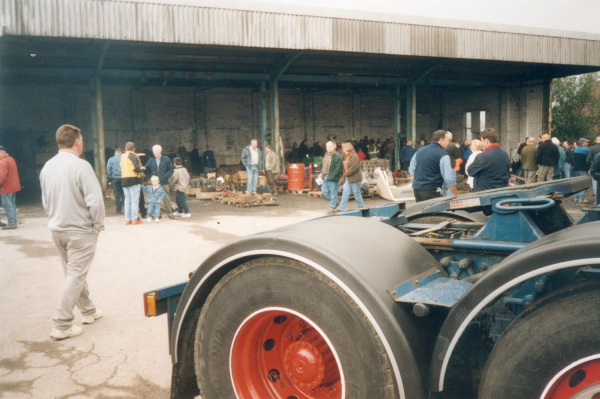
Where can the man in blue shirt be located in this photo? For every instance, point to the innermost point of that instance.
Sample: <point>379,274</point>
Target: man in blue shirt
<point>432,168</point>
<point>406,155</point>
<point>113,172</point>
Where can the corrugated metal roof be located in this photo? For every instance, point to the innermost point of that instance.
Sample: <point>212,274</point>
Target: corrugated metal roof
<point>162,23</point>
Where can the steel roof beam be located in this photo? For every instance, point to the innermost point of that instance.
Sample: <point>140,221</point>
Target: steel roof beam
<point>227,76</point>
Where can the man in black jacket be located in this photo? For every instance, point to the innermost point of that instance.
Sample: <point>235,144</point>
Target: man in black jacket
<point>161,166</point>
<point>594,150</point>
<point>547,157</point>
<point>491,168</point>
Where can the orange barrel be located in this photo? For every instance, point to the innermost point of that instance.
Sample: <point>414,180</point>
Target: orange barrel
<point>295,175</point>
<point>310,176</point>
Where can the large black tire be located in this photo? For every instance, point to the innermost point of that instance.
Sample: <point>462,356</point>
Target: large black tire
<point>541,342</point>
<point>284,283</point>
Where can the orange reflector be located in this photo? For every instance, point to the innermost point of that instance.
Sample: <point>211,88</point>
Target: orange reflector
<point>149,304</point>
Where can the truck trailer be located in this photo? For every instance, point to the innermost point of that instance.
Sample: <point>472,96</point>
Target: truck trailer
<point>490,295</point>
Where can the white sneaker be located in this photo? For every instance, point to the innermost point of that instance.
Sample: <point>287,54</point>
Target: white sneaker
<point>70,333</point>
<point>177,214</point>
<point>92,318</point>
<point>186,215</point>
<point>148,219</point>
<point>157,220</point>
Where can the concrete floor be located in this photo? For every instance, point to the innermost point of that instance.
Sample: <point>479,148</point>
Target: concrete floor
<point>123,354</point>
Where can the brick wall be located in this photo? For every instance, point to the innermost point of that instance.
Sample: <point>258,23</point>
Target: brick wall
<point>226,119</point>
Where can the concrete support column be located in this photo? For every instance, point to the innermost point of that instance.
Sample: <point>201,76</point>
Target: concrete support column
<point>263,114</point>
<point>98,131</point>
<point>411,111</point>
<point>275,116</point>
<point>397,126</point>
<point>547,107</point>
<point>94,117</point>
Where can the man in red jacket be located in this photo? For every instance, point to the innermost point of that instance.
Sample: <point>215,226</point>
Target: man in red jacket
<point>9,186</point>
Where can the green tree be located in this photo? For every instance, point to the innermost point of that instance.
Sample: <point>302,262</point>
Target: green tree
<point>576,106</point>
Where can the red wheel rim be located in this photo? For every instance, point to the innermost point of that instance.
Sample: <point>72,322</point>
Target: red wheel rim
<point>579,381</point>
<point>277,353</point>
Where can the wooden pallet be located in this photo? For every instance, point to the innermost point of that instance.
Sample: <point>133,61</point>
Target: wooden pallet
<point>315,194</point>
<point>298,192</point>
<point>246,201</point>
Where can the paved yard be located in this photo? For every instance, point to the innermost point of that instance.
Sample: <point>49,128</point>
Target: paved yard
<point>123,354</point>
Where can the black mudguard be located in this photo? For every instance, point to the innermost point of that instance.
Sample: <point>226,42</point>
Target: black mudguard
<point>363,256</point>
<point>573,247</point>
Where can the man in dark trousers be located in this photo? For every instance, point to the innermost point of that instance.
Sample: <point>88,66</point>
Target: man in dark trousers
<point>161,166</point>
<point>547,157</point>
<point>406,155</point>
<point>491,168</point>
<point>196,160</point>
<point>432,169</point>
<point>113,171</point>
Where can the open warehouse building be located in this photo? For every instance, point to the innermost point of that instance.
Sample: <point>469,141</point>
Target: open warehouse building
<point>181,75</point>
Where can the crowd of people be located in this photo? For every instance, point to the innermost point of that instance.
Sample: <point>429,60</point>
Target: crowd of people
<point>130,178</point>
<point>550,159</point>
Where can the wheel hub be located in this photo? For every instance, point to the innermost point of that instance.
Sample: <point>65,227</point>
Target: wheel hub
<point>578,382</point>
<point>279,354</point>
<point>304,365</point>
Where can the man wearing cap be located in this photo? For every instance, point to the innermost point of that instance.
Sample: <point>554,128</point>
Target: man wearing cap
<point>547,157</point>
<point>580,166</point>
<point>9,186</point>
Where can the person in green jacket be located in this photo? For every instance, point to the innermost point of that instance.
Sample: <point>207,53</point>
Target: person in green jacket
<point>331,174</point>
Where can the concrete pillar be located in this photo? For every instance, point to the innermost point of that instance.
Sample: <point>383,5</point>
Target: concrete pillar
<point>94,125</point>
<point>547,107</point>
<point>263,114</point>
<point>397,126</point>
<point>411,111</point>
<point>275,115</point>
<point>98,130</point>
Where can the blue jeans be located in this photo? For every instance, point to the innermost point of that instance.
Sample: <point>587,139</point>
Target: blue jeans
<point>182,202</point>
<point>132,198</point>
<point>252,173</point>
<point>355,188</point>
<point>581,194</point>
<point>9,203</point>
<point>330,191</point>
<point>595,185</point>
<point>153,210</point>
<point>566,171</point>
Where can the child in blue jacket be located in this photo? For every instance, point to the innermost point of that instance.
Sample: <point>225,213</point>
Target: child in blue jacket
<point>154,196</point>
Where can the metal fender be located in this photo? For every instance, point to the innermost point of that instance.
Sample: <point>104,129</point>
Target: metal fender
<point>572,247</point>
<point>363,256</point>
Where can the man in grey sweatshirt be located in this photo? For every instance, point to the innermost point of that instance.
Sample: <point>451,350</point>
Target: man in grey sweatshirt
<point>72,197</point>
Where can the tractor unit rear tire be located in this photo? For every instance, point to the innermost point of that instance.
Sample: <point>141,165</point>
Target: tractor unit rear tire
<point>277,328</point>
<point>551,351</point>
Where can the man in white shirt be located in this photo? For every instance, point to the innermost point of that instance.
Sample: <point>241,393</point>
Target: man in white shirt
<point>252,159</point>
<point>72,197</point>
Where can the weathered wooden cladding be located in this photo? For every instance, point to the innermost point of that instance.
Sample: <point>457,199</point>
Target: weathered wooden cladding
<point>162,23</point>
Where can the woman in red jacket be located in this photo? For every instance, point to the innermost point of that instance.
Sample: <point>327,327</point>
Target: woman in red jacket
<point>9,186</point>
